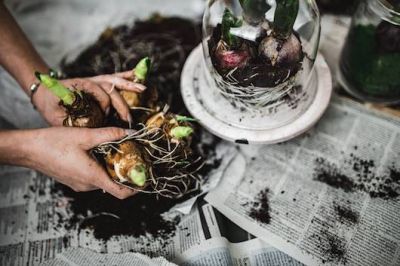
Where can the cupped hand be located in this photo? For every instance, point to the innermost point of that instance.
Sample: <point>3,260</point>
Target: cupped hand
<point>103,87</point>
<point>62,153</point>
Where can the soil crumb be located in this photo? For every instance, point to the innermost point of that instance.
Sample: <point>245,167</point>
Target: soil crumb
<point>346,214</point>
<point>329,174</point>
<point>331,246</point>
<point>260,210</point>
<point>335,248</point>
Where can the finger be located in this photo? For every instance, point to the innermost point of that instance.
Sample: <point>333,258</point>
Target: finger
<point>120,83</point>
<point>116,190</point>
<point>103,181</point>
<point>83,187</point>
<point>125,75</point>
<point>97,176</point>
<point>97,136</point>
<point>117,102</point>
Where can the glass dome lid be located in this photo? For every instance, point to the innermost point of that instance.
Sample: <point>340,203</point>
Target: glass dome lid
<point>259,56</point>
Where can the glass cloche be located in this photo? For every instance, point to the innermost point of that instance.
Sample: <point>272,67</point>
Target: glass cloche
<point>259,56</point>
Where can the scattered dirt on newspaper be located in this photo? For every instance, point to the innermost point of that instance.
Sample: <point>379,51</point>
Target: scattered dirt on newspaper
<point>259,209</point>
<point>345,214</point>
<point>360,176</point>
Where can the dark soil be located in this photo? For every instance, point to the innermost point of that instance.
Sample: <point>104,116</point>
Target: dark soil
<point>260,209</point>
<point>108,216</point>
<point>84,112</point>
<point>362,178</point>
<point>388,37</point>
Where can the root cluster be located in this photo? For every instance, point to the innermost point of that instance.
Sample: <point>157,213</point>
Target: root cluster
<point>172,167</point>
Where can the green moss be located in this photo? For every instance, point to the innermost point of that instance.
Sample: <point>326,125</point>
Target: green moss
<point>375,73</point>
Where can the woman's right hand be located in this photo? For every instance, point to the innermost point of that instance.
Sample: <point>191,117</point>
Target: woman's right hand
<point>62,153</point>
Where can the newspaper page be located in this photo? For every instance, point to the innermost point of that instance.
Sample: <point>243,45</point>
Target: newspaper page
<point>33,232</point>
<point>328,197</point>
<point>87,257</point>
<point>227,244</point>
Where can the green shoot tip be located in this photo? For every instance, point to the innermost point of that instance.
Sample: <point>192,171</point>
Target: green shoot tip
<point>182,118</point>
<point>181,132</point>
<point>138,175</point>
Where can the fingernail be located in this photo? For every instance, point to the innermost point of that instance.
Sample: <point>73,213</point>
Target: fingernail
<point>139,86</point>
<point>129,119</point>
<point>107,112</point>
<point>129,132</point>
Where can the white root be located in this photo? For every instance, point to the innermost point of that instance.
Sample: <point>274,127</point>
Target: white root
<point>183,179</point>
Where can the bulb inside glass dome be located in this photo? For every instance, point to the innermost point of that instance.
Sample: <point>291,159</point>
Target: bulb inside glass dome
<point>273,56</point>
<point>260,54</point>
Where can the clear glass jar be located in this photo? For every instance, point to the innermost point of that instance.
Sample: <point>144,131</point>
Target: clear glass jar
<point>370,60</point>
<point>255,73</point>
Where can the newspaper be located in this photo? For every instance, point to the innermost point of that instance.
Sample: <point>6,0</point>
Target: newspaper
<point>81,256</point>
<point>31,234</point>
<point>304,218</point>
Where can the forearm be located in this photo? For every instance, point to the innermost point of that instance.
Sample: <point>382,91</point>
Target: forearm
<point>13,147</point>
<point>17,55</point>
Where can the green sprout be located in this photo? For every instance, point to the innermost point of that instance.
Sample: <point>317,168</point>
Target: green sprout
<point>138,175</point>
<point>181,132</point>
<point>52,84</point>
<point>285,16</point>
<point>142,69</point>
<point>254,10</point>
<point>182,118</point>
<point>230,21</point>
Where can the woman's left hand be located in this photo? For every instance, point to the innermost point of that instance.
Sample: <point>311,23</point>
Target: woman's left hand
<point>103,87</point>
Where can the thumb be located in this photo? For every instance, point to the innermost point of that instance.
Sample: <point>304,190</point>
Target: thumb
<point>99,136</point>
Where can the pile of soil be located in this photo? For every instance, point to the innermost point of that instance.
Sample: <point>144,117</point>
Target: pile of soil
<point>260,209</point>
<point>108,216</point>
<point>363,178</point>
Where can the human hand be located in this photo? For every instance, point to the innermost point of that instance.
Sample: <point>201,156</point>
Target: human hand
<point>102,87</point>
<point>62,153</point>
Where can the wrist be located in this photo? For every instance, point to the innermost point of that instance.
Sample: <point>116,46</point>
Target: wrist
<point>28,78</point>
<point>13,147</point>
